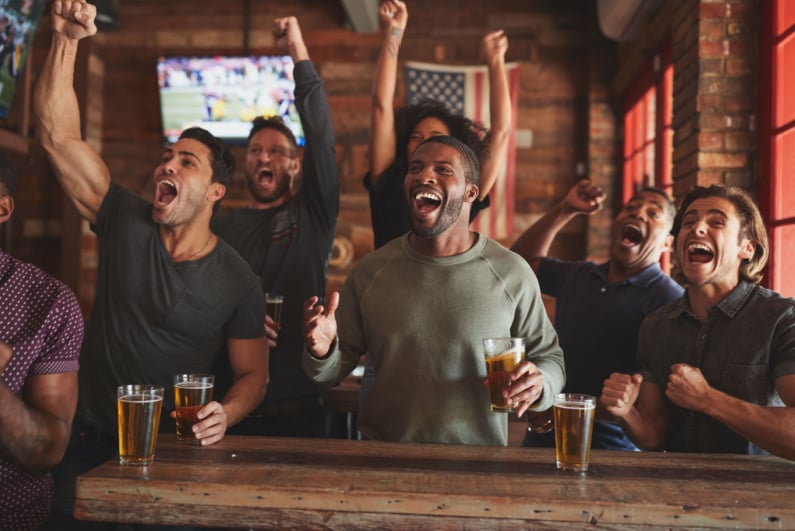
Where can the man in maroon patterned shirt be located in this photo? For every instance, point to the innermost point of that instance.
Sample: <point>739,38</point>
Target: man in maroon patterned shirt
<point>41,329</point>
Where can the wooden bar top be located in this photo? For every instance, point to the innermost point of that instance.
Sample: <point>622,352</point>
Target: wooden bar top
<point>261,482</point>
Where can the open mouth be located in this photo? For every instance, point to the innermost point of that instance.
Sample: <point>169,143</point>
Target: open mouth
<point>631,235</point>
<point>426,202</point>
<point>265,175</point>
<point>166,192</point>
<point>699,253</point>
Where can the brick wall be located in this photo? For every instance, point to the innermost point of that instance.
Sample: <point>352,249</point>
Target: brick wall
<point>716,68</point>
<point>557,103</point>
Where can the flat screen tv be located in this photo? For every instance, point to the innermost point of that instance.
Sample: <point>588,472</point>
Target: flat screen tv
<point>224,94</point>
<point>18,20</point>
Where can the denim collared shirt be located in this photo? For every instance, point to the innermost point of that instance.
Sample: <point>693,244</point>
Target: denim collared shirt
<point>745,343</point>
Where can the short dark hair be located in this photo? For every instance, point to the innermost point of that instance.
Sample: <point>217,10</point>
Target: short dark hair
<point>277,124</point>
<point>468,157</point>
<point>221,159</point>
<point>8,174</point>
<point>752,226</point>
<point>470,133</point>
<point>669,206</point>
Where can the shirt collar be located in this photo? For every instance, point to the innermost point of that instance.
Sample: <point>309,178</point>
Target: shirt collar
<point>729,306</point>
<point>642,279</point>
<point>734,301</point>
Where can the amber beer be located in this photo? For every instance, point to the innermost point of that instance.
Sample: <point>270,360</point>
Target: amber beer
<point>502,357</point>
<point>273,308</point>
<point>191,393</point>
<point>139,409</point>
<point>574,417</point>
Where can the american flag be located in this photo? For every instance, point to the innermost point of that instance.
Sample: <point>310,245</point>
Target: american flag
<point>465,90</point>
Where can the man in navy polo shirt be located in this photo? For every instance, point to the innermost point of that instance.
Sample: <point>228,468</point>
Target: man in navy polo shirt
<point>600,307</point>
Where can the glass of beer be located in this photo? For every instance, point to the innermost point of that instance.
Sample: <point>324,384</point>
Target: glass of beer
<point>574,416</point>
<point>273,308</point>
<point>191,393</point>
<point>503,354</point>
<point>139,409</point>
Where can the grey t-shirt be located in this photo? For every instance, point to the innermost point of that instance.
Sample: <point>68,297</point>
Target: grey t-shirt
<point>153,317</point>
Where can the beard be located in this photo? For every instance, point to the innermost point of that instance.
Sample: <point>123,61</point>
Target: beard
<point>450,214</point>
<point>281,188</point>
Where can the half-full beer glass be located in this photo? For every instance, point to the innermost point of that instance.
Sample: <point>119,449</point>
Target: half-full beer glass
<point>191,393</point>
<point>502,354</point>
<point>574,416</point>
<point>139,409</point>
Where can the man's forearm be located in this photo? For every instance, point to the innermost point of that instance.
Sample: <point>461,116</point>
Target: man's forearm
<point>30,439</point>
<point>246,393</point>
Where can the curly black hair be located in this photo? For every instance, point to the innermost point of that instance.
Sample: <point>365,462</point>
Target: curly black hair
<point>470,133</point>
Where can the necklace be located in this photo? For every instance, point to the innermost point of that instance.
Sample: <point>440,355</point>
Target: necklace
<point>197,253</point>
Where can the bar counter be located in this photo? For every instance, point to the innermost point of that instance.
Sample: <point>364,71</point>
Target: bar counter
<point>278,483</point>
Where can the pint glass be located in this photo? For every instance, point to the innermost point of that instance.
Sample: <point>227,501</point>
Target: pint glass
<point>191,393</point>
<point>139,419</point>
<point>574,416</point>
<point>273,308</point>
<point>502,356</point>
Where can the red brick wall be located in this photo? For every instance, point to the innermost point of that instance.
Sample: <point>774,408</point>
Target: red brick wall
<point>715,93</point>
<point>550,40</point>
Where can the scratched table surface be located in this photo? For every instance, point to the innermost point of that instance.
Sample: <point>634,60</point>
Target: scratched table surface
<point>262,482</point>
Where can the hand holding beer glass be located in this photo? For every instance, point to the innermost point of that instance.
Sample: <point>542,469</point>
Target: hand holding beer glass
<point>139,409</point>
<point>574,417</point>
<point>191,393</point>
<point>502,354</point>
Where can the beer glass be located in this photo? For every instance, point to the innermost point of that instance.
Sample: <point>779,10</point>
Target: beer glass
<point>191,393</point>
<point>273,308</point>
<point>139,409</point>
<point>502,354</point>
<point>574,416</point>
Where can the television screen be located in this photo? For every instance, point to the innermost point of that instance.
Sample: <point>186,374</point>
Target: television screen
<point>18,19</point>
<point>224,94</point>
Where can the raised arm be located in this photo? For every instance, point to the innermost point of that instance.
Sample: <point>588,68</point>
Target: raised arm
<point>534,243</point>
<point>394,16</point>
<point>493,48</point>
<point>319,163</point>
<point>81,172</point>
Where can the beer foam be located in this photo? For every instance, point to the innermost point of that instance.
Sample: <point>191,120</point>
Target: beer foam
<point>194,385</point>
<point>575,405</point>
<point>141,398</point>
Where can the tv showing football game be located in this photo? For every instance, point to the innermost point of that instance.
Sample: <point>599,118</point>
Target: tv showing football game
<point>18,20</point>
<point>224,94</point>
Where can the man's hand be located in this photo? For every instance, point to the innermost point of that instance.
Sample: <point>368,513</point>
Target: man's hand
<point>620,392</point>
<point>320,325</point>
<point>288,37</point>
<point>212,424</point>
<point>74,18</point>
<point>525,387</point>
<point>393,15</point>
<point>687,387</point>
<point>493,47</point>
<point>585,197</point>
<point>271,331</point>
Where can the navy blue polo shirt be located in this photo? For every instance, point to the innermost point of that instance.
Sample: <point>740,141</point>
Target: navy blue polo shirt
<point>598,322</point>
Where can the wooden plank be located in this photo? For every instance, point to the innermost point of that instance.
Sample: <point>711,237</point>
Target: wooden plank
<point>257,478</point>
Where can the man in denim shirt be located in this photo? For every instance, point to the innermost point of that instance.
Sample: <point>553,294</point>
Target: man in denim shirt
<point>718,364</point>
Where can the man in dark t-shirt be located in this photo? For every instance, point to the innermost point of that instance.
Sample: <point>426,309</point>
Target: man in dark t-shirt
<point>171,296</point>
<point>286,235</point>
